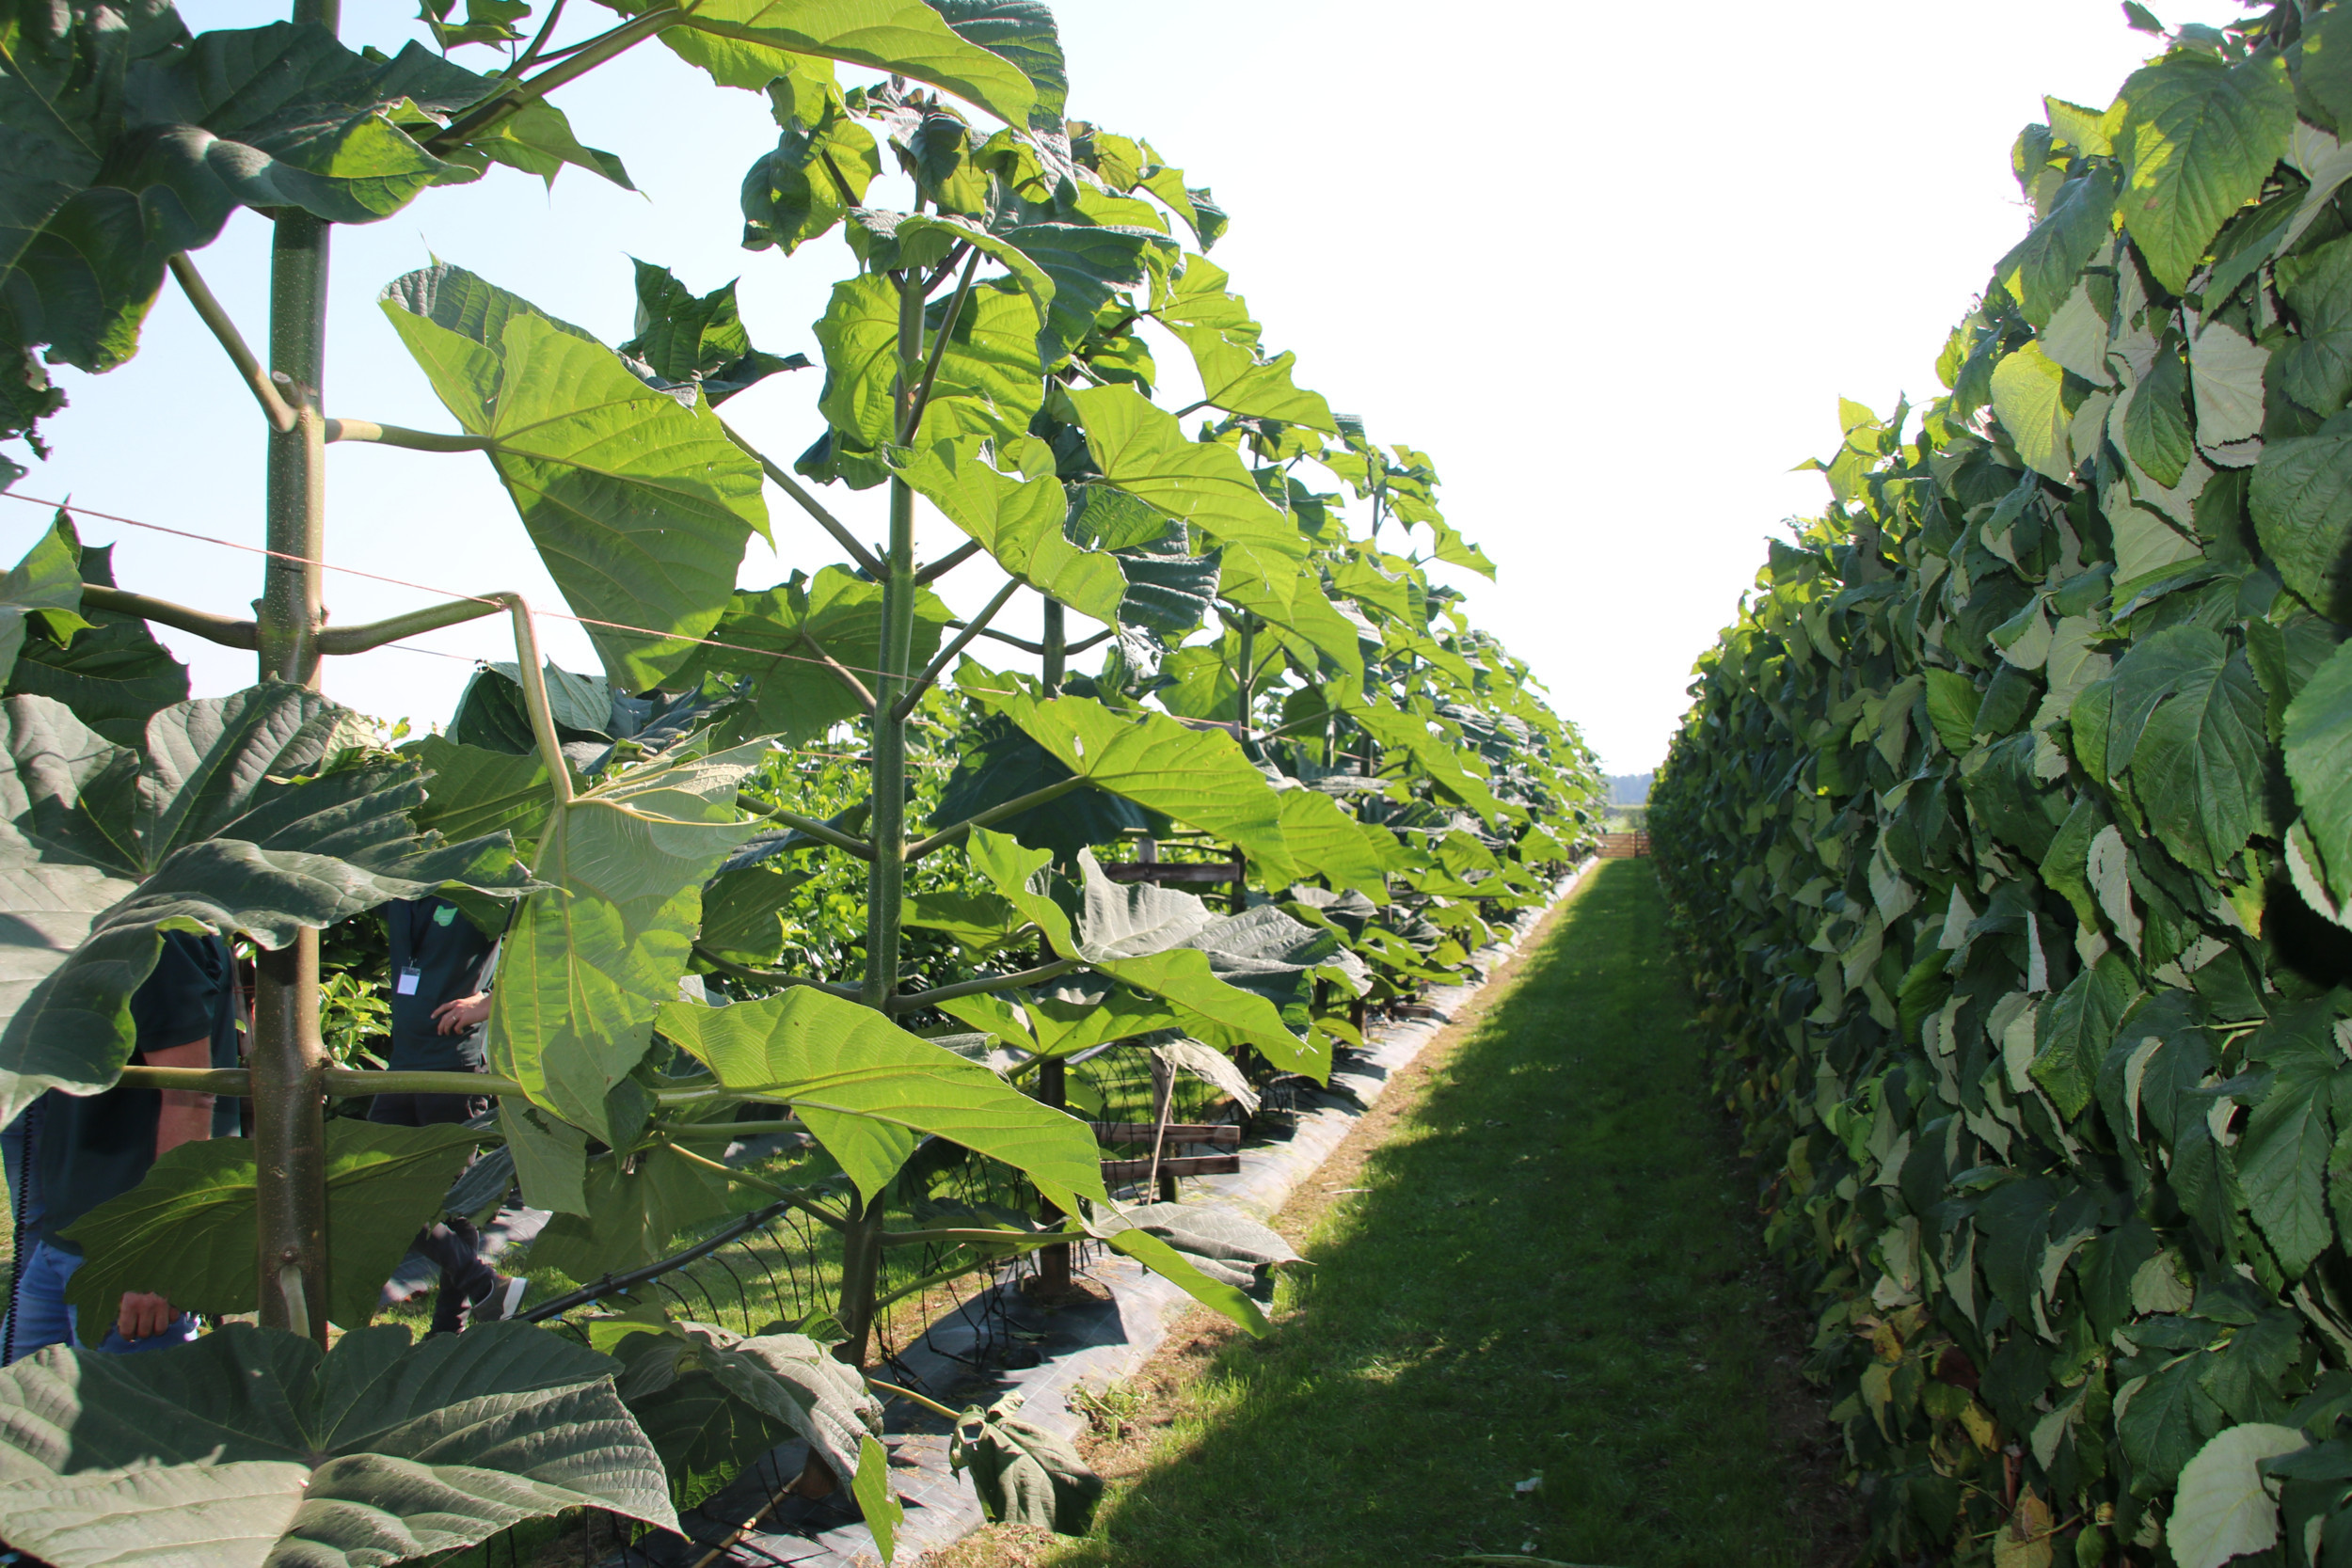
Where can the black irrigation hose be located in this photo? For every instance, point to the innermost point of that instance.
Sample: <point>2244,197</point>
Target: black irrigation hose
<point>613,1283</point>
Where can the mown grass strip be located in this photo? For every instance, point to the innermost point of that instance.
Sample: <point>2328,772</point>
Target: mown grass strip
<point>1552,1270</point>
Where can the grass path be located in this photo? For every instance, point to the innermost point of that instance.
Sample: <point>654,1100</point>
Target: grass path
<point>1536,1260</point>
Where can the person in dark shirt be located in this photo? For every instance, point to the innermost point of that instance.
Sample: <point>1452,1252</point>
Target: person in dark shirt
<point>441,965</point>
<point>70,1154</point>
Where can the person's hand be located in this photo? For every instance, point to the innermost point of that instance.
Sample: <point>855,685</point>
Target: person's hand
<point>144,1315</point>
<point>456,1018</point>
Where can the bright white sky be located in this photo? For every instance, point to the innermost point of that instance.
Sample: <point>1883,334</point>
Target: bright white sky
<point>1612,276</point>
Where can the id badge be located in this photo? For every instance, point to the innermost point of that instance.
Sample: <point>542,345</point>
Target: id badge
<point>406,983</point>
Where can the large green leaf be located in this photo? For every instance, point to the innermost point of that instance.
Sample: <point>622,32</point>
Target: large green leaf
<point>587,961</point>
<point>2074,1029</point>
<point>1326,843</point>
<point>1199,777</point>
<point>2197,139</point>
<point>2224,1508</point>
<point>243,815</point>
<point>186,1231</point>
<point>637,501</point>
<point>743,912</point>
<point>46,583</point>
<point>471,790</point>
<point>2314,367</point>
<point>2040,273</point>
<point>1088,265</point>
<point>1143,452</point>
<point>2301,503</point>
<point>251,1445</point>
<point>2028,398</point>
<point>2319,761</point>
<point>868,1089</point>
<point>767,638</point>
<point>705,1435</point>
<point>1019,522</point>
<point>2281,1158</point>
<point>114,676</point>
<point>1215,325</point>
<point>129,141</point>
<point>1022,31</point>
<point>2189,726</point>
<point>748,44</point>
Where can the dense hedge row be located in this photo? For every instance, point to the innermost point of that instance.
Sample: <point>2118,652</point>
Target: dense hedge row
<point>2009,837</point>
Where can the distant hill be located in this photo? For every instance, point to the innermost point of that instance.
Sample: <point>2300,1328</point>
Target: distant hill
<point>1629,789</point>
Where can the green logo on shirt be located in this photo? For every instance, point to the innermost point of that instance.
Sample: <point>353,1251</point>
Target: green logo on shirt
<point>445,914</point>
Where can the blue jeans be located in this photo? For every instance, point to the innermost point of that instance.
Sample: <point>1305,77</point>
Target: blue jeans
<point>41,1318</point>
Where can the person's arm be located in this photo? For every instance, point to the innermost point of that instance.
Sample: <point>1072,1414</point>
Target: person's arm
<point>186,1117</point>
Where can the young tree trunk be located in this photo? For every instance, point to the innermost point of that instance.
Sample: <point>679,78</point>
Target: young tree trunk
<point>886,881</point>
<point>1052,1263</point>
<point>290,1131</point>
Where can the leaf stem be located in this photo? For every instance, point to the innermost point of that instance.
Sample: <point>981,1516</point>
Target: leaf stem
<point>521,95</point>
<point>917,1001</point>
<point>401,436</point>
<point>948,562</point>
<point>279,413</point>
<point>535,683</point>
<point>1013,807</point>
<point>375,634</point>
<point>840,672</point>
<point>775,977</point>
<point>978,625</point>
<point>531,55</point>
<point>867,561</point>
<point>927,1403</point>
<point>1016,1238</point>
<point>223,629</point>
<point>824,833</point>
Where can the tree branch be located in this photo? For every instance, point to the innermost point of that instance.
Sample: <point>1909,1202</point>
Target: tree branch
<point>225,630</point>
<point>1083,644</point>
<point>375,634</point>
<point>922,683</point>
<point>917,1001</point>
<point>400,435</point>
<point>867,561</point>
<point>1013,807</point>
<point>279,413</point>
<point>1021,642</point>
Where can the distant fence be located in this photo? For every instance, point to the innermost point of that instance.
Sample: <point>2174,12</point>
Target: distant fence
<point>1624,847</point>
